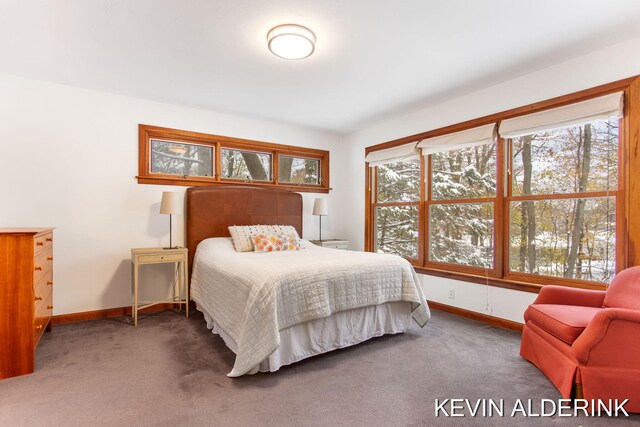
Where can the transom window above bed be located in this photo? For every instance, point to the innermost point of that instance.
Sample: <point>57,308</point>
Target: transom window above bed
<point>298,170</point>
<point>178,157</point>
<point>246,165</point>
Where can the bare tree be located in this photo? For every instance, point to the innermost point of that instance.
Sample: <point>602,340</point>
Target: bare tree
<point>256,169</point>
<point>528,223</point>
<point>577,228</point>
<point>284,168</point>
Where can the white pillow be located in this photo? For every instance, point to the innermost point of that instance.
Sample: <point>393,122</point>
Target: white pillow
<point>241,235</point>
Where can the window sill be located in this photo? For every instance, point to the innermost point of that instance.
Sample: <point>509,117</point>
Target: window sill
<point>498,282</point>
<point>191,182</point>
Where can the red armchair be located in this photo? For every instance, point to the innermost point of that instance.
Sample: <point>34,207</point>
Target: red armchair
<point>588,342</point>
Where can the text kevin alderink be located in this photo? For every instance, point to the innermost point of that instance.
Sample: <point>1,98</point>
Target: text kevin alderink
<point>530,408</point>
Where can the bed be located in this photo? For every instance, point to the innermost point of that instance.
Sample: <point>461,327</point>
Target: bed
<point>274,309</point>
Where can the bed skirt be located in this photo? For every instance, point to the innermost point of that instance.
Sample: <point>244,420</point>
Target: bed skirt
<point>342,329</point>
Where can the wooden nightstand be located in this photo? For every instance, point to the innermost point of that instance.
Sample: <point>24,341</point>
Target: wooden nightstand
<point>142,256</point>
<point>332,243</point>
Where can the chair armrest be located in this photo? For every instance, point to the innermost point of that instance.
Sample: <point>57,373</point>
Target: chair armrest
<point>570,296</point>
<point>610,339</point>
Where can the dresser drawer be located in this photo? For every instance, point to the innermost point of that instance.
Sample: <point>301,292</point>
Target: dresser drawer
<point>42,242</point>
<point>42,263</point>
<point>43,312</point>
<point>45,280</point>
<point>150,259</point>
<point>43,288</point>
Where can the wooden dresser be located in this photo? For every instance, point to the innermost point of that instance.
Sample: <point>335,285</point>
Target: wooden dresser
<point>26,296</point>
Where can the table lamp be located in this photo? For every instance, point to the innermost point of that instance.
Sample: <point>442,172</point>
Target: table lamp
<point>170,204</point>
<point>320,209</point>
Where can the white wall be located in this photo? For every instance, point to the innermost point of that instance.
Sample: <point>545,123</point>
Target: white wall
<point>68,159</point>
<point>498,302</point>
<point>603,66</point>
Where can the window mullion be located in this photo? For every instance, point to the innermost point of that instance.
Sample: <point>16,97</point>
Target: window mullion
<point>500,222</point>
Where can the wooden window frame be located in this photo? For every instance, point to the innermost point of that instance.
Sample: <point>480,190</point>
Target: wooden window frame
<point>246,150</point>
<point>147,132</point>
<point>627,195</point>
<point>374,203</point>
<point>213,157</point>
<point>497,209</point>
<point>620,235</point>
<point>303,157</point>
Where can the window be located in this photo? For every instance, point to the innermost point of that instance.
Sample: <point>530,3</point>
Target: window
<point>462,206</point>
<point>396,208</point>
<point>246,165</point>
<point>298,170</point>
<point>544,200</point>
<point>174,158</point>
<point>177,157</point>
<point>563,202</point>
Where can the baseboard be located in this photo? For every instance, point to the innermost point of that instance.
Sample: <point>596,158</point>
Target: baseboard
<point>481,317</point>
<point>126,311</point>
<point>108,312</point>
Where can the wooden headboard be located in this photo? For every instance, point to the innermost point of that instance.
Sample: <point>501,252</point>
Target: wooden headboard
<point>210,210</point>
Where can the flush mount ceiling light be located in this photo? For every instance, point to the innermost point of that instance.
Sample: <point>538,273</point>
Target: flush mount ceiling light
<point>291,41</point>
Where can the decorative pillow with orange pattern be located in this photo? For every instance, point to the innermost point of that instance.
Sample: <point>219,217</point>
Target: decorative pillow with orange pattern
<point>274,242</point>
<point>243,235</point>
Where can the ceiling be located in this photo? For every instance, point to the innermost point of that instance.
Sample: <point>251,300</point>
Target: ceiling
<point>373,58</point>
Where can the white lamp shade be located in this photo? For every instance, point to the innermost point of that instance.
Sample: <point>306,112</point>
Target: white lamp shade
<point>320,207</point>
<point>171,203</point>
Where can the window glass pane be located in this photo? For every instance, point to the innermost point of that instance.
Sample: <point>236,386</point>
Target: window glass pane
<point>246,165</point>
<point>568,160</point>
<point>572,238</point>
<point>397,230</point>
<point>399,181</point>
<point>464,174</point>
<point>176,158</point>
<point>298,170</point>
<point>462,233</point>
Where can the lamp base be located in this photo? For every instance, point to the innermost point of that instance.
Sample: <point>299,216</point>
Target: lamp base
<point>172,247</point>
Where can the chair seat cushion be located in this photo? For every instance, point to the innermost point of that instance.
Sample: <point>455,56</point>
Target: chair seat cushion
<point>565,322</point>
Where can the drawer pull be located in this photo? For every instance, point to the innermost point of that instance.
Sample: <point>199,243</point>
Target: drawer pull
<point>38,268</point>
<point>49,282</point>
<point>39,298</point>
<point>49,258</point>
<point>39,327</point>
<point>49,307</point>
<point>39,243</point>
<point>49,239</point>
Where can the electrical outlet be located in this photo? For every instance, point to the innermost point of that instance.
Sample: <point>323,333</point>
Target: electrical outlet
<point>452,293</point>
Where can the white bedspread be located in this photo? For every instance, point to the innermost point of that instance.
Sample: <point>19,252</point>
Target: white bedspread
<point>253,296</point>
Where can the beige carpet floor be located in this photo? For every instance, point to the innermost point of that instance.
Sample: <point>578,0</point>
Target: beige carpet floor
<point>172,371</point>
